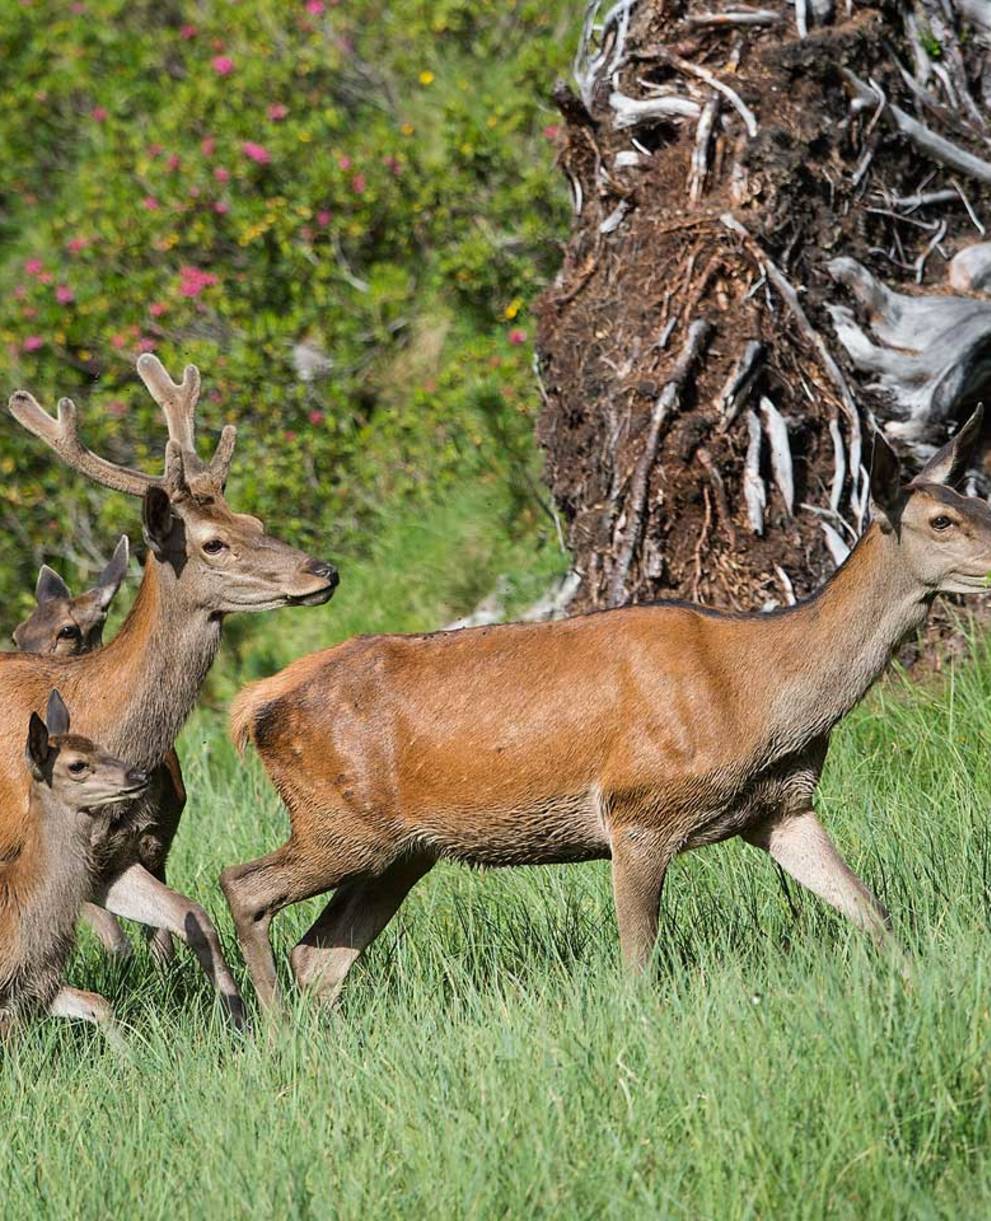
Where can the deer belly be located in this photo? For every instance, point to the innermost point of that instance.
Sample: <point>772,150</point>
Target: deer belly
<point>555,831</point>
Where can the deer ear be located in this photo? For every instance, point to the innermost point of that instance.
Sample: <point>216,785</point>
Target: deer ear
<point>886,490</point>
<point>56,715</point>
<point>38,749</point>
<point>50,586</point>
<point>949,464</point>
<point>156,516</point>
<point>108,582</point>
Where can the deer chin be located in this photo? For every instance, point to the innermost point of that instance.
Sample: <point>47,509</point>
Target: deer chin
<point>317,598</point>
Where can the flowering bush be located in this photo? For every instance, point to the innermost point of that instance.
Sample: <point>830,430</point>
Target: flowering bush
<point>337,212</point>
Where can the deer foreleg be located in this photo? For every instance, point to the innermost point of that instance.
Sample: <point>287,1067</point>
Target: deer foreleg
<point>139,895</point>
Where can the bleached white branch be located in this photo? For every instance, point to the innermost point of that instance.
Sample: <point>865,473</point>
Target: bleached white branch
<point>754,492</point>
<point>630,112</point>
<point>739,17</point>
<point>781,463</point>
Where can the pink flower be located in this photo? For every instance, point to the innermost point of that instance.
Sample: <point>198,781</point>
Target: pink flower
<point>34,267</point>
<point>155,150</point>
<point>552,131</point>
<point>118,341</point>
<point>324,218</point>
<point>306,233</point>
<point>33,343</point>
<point>46,277</point>
<point>289,435</point>
<point>223,65</point>
<point>344,162</point>
<point>20,292</point>
<point>517,335</point>
<point>221,174</point>
<point>277,112</point>
<point>393,165</point>
<point>194,192</point>
<point>256,152</point>
<point>116,407</point>
<point>64,295</point>
<point>188,31</point>
<point>157,309</point>
<point>208,146</point>
<point>221,207</point>
<point>77,7</point>
<point>29,311</point>
<point>358,184</point>
<point>173,162</point>
<point>192,281</point>
<point>150,203</point>
<point>316,418</point>
<point>145,344</point>
<point>315,7</point>
<point>100,113</point>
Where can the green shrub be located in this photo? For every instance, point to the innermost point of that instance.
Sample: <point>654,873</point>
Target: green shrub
<point>225,182</point>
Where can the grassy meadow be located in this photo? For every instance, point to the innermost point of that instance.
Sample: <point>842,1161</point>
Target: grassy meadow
<point>490,1060</point>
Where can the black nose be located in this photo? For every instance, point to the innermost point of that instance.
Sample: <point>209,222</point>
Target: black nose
<point>135,777</point>
<point>327,572</point>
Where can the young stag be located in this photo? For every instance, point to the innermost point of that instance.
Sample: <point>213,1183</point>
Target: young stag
<point>44,882</point>
<point>65,626</point>
<point>204,562</point>
<point>633,734</point>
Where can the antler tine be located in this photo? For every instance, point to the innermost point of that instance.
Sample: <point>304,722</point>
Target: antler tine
<point>62,435</point>
<point>178,402</point>
<point>220,463</point>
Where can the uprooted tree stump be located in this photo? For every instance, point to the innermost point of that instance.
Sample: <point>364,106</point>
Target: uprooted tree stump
<point>778,241</point>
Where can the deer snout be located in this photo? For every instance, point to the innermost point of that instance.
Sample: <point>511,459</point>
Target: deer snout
<point>323,570</point>
<point>137,779</point>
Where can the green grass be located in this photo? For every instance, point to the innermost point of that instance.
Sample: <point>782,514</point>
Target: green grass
<point>490,1060</point>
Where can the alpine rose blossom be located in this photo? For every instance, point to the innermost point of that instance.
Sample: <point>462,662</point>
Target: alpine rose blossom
<point>192,281</point>
<point>517,335</point>
<point>277,112</point>
<point>100,113</point>
<point>157,309</point>
<point>208,146</point>
<point>150,202</point>
<point>223,65</point>
<point>64,295</point>
<point>315,7</point>
<point>33,343</point>
<point>75,244</point>
<point>256,152</point>
<point>34,267</point>
<point>358,184</point>
<point>221,174</point>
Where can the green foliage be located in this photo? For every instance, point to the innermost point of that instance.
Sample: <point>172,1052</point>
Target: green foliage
<point>223,182</point>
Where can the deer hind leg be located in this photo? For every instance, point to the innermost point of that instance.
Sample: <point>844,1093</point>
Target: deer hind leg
<point>801,846</point>
<point>640,858</point>
<point>139,895</point>
<point>107,929</point>
<point>260,889</point>
<point>87,1007</point>
<point>348,925</point>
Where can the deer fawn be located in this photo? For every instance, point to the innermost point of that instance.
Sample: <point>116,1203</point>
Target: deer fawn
<point>66,626</point>
<point>204,562</point>
<point>44,882</point>
<point>633,734</point>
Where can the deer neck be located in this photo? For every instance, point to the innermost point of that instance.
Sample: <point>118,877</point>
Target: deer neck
<point>835,645</point>
<point>157,662</point>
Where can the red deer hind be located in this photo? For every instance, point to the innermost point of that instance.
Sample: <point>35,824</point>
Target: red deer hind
<point>204,562</point>
<point>633,734</point>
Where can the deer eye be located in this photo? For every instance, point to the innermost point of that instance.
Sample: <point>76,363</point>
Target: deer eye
<point>214,546</point>
<point>69,632</point>
<point>77,767</point>
<point>942,522</point>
